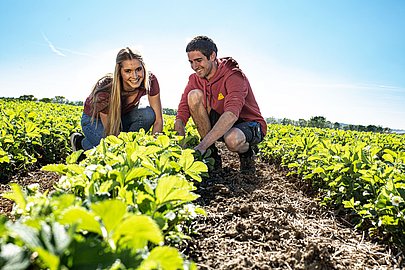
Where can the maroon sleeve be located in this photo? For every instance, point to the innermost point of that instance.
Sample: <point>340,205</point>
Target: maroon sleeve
<point>101,103</point>
<point>237,91</point>
<point>154,85</point>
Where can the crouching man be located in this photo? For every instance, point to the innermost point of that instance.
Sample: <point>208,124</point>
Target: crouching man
<point>221,103</point>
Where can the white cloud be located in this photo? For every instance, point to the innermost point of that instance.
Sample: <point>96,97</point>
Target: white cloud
<point>52,47</point>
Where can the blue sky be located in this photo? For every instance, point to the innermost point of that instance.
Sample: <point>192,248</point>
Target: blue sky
<point>341,59</point>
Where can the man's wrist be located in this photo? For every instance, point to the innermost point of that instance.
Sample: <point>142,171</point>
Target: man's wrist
<point>178,120</point>
<point>179,127</point>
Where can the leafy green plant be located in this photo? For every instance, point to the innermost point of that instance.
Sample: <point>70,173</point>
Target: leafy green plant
<point>361,171</point>
<point>63,232</point>
<point>34,134</point>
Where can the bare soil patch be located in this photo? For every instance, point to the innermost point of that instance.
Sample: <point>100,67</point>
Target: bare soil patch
<point>263,221</point>
<point>268,221</point>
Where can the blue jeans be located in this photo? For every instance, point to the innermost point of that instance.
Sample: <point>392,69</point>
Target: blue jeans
<point>132,121</point>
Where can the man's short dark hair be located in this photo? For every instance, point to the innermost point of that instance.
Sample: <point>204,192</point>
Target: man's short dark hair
<point>203,44</point>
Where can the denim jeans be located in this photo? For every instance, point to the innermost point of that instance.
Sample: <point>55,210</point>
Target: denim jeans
<point>132,121</point>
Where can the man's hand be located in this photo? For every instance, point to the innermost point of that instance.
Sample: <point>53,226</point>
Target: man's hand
<point>180,127</point>
<point>200,149</point>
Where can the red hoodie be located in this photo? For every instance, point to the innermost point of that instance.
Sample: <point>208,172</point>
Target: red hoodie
<point>228,91</point>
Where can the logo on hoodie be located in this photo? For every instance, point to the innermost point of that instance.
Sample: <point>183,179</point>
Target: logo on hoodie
<point>220,96</point>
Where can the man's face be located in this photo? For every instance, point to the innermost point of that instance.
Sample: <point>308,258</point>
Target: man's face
<point>203,67</point>
<point>132,74</point>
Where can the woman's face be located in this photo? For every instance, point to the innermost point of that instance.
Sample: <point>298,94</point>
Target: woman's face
<point>132,74</point>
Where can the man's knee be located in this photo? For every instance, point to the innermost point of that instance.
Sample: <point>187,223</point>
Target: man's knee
<point>234,140</point>
<point>195,97</point>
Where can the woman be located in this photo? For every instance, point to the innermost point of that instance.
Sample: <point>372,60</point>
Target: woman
<point>114,103</point>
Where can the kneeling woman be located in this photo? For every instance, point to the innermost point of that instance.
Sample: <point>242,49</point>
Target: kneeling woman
<point>114,103</point>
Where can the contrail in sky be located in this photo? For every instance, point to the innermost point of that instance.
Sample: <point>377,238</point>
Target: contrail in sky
<point>59,51</point>
<point>52,47</point>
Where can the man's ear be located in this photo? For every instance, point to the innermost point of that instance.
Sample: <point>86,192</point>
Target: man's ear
<point>213,56</point>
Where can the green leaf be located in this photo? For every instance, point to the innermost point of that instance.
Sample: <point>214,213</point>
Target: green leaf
<point>64,169</point>
<point>74,157</point>
<point>175,166</point>
<point>312,158</point>
<point>45,235</point>
<point>112,140</point>
<point>318,170</point>
<point>50,260</point>
<point>4,158</point>
<point>136,173</point>
<point>105,186</point>
<point>91,253</point>
<point>144,196</point>
<point>17,196</point>
<point>111,213</point>
<point>200,211</point>
<point>146,203</point>
<point>136,231</point>
<point>388,157</point>
<point>198,167</point>
<point>174,188</point>
<point>85,220</point>
<point>164,161</point>
<point>167,258</point>
<point>152,149</point>
<point>336,167</point>
<point>186,159</point>
<point>27,234</point>
<point>364,213</point>
<point>390,152</point>
<point>13,257</point>
<point>115,174</point>
<point>163,141</point>
<point>58,168</point>
<point>349,204</point>
<point>389,220</point>
<point>150,165</point>
<point>61,238</point>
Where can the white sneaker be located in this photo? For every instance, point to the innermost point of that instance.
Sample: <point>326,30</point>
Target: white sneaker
<point>76,141</point>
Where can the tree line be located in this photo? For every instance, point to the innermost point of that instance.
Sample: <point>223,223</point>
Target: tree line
<point>56,99</point>
<point>63,100</point>
<point>321,122</point>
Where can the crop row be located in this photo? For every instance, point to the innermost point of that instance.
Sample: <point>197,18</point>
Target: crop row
<point>361,171</point>
<point>127,205</point>
<point>33,134</point>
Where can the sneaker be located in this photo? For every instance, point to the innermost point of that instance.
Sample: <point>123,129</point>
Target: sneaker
<point>247,162</point>
<point>76,141</point>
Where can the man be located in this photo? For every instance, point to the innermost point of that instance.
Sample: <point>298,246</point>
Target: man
<point>220,100</point>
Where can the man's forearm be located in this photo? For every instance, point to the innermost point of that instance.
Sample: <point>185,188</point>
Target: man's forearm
<point>224,124</point>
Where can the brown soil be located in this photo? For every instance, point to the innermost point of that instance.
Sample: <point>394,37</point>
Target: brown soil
<point>264,221</point>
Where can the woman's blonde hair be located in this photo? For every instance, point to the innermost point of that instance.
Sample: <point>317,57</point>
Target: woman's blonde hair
<point>114,125</point>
